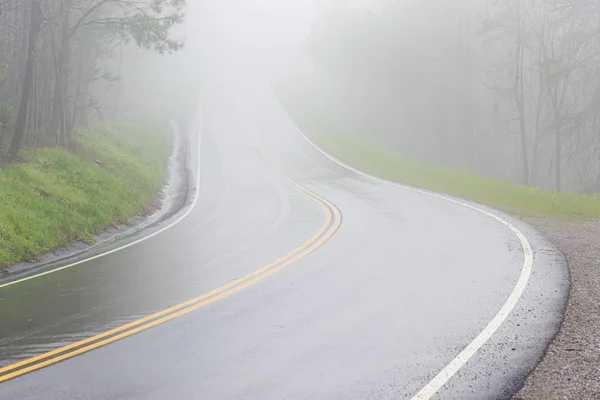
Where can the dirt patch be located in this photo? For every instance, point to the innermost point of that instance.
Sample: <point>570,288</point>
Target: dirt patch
<point>571,367</point>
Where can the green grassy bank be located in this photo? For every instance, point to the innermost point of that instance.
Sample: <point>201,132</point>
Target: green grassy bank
<point>364,153</point>
<point>52,197</point>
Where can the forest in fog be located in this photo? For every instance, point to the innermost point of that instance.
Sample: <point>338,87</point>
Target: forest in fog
<point>506,88</point>
<point>62,62</point>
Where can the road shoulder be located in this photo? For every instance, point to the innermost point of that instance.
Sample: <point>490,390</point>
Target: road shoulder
<point>570,367</point>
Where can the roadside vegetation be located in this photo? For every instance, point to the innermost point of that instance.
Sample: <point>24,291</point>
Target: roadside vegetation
<point>51,197</point>
<point>365,153</point>
<point>71,73</point>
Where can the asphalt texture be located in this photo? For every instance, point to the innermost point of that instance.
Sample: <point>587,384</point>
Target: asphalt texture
<point>404,284</point>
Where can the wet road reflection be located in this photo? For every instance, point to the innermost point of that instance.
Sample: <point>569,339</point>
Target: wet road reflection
<point>213,246</point>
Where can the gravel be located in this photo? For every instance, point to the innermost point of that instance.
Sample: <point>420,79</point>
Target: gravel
<point>571,367</point>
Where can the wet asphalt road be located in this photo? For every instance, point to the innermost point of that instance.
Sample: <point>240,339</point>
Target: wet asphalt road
<point>404,284</point>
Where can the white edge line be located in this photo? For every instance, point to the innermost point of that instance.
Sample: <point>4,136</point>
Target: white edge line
<point>463,357</point>
<point>172,224</point>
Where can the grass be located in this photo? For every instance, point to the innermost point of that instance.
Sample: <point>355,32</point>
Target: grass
<point>53,197</point>
<point>366,154</point>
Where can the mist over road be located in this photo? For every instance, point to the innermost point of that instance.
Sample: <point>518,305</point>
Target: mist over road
<point>330,284</point>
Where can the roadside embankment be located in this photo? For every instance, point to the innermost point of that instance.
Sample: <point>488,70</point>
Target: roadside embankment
<point>52,197</point>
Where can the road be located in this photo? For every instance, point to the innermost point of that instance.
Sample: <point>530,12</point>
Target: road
<point>302,279</point>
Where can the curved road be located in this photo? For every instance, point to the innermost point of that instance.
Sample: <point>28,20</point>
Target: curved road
<point>301,279</point>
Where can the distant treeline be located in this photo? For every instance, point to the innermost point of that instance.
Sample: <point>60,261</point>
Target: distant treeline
<point>509,88</point>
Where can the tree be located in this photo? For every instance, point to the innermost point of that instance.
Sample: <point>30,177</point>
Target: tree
<point>34,27</point>
<point>517,98</point>
<point>54,52</point>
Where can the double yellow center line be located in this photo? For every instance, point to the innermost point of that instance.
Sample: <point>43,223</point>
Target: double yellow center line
<point>332,222</point>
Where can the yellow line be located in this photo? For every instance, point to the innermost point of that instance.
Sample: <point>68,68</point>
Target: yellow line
<point>326,231</point>
<point>176,307</point>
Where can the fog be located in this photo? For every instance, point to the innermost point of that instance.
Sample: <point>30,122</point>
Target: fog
<point>246,38</point>
<point>380,285</point>
<point>507,88</point>
<point>123,59</point>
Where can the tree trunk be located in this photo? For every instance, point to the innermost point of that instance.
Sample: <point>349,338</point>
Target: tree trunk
<point>117,105</point>
<point>524,155</point>
<point>558,160</point>
<point>538,113</point>
<point>34,106</point>
<point>80,72</point>
<point>27,80</point>
<point>520,97</point>
<point>82,119</point>
<point>60,112</point>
